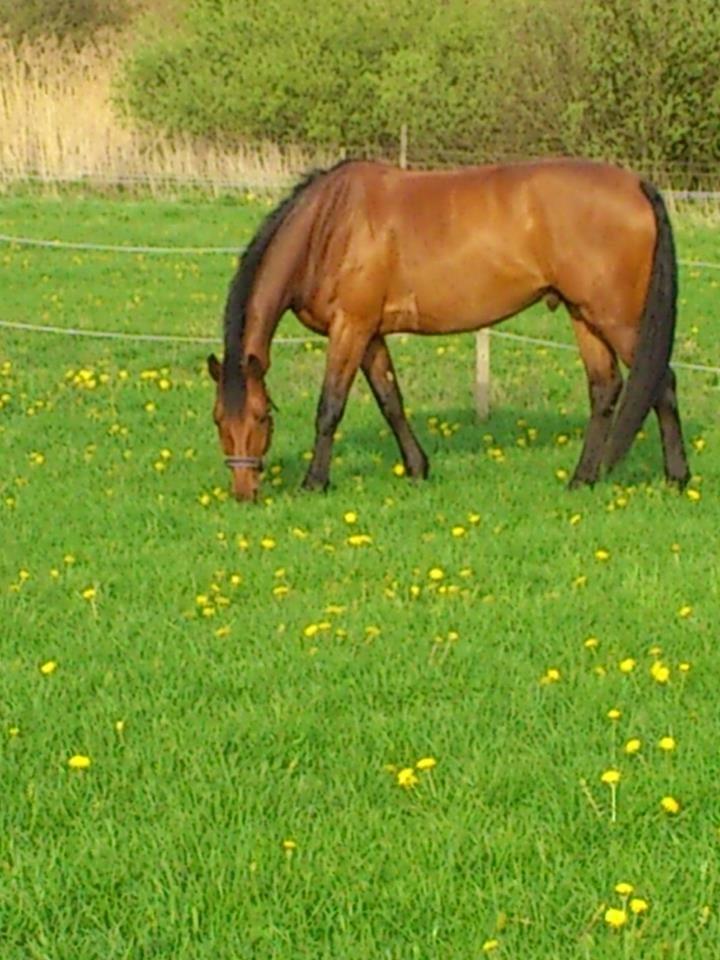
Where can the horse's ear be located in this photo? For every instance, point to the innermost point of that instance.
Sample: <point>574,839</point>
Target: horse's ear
<point>214,367</point>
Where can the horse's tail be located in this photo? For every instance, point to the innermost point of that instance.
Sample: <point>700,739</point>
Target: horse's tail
<point>657,332</point>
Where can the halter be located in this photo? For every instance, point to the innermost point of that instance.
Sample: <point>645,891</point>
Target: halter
<point>249,463</point>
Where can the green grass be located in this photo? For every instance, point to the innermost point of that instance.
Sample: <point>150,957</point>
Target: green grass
<point>272,719</point>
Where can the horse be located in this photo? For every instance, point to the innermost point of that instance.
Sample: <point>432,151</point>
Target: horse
<point>365,249</point>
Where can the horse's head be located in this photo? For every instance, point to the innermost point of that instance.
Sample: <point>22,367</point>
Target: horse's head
<point>244,423</point>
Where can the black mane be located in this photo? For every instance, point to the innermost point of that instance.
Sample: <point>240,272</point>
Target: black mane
<point>242,285</point>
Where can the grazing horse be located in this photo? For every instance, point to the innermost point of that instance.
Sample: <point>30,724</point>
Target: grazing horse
<point>364,249</point>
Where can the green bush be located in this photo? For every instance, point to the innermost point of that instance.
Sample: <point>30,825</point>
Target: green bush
<point>75,20</point>
<point>470,78</point>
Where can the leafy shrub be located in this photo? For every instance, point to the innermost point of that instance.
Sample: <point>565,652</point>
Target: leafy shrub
<point>472,79</point>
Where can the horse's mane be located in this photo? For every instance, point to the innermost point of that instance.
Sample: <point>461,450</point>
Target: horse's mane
<point>242,284</point>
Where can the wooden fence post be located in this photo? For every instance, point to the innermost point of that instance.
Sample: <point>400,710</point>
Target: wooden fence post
<point>403,147</point>
<point>482,374</point>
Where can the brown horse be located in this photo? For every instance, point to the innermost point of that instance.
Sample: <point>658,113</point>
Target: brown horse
<point>364,250</point>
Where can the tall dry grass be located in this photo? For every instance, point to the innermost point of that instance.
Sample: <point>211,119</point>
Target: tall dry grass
<point>58,123</point>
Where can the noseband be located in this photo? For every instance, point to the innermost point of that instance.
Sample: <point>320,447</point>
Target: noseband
<point>249,463</point>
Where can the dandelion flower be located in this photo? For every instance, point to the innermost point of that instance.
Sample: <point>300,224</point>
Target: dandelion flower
<point>638,905</point>
<point>406,778</point>
<point>490,945</point>
<point>659,672</point>
<point>624,889</point>
<point>627,665</point>
<point>359,540</point>
<point>50,666</point>
<point>633,745</point>
<point>268,543</point>
<point>667,743</point>
<point>289,846</point>
<point>670,805</point>
<point>458,531</point>
<point>436,573</point>
<point>602,555</point>
<point>615,918</point>
<point>350,517</point>
<point>611,777</point>
<point>591,643</point>
<point>79,762</point>
<point>693,495</point>
<point>614,714</point>
<point>551,675</point>
<point>426,763</point>
<point>399,470</point>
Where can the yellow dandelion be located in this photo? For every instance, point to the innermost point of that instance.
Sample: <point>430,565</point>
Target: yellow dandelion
<point>551,675</point>
<point>406,778</point>
<point>474,518</point>
<point>611,777</point>
<point>311,629</point>
<point>659,672</point>
<point>627,665</point>
<point>561,474</point>
<point>580,581</point>
<point>50,666</point>
<point>614,714</point>
<point>615,918</point>
<point>268,543</point>
<point>490,945</point>
<point>350,517</point>
<point>13,731</point>
<point>638,905</point>
<point>426,763</point>
<point>399,470</point>
<point>670,805</point>
<point>633,745</point>
<point>693,495</point>
<point>458,531</point>
<point>89,593</point>
<point>624,889</point>
<point>79,762</point>
<point>119,726</point>
<point>667,743</point>
<point>289,846</point>
<point>436,573</point>
<point>602,554</point>
<point>685,611</point>
<point>359,540</point>
<point>684,667</point>
<point>591,643</point>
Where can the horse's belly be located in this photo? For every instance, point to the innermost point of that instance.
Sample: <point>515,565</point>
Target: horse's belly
<point>455,309</point>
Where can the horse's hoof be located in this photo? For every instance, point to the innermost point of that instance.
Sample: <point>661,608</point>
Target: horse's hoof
<point>577,482</point>
<point>315,484</point>
<point>678,482</point>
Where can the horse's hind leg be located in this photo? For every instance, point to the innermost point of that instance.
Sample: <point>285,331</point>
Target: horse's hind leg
<point>346,348</point>
<point>604,385</point>
<point>666,408</point>
<point>378,368</point>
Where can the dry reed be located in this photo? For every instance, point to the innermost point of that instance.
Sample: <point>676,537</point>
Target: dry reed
<point>58,123</point>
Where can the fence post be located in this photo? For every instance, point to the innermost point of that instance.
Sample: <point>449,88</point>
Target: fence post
<point>403,147</point>
<point>482,374</point>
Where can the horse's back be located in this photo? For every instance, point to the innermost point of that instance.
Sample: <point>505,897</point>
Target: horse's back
<point>456,249</point>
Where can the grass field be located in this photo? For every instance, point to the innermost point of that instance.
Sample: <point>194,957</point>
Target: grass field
<point>253,692</point>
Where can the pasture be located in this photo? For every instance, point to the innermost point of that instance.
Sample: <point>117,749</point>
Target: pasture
<point>245,692</point>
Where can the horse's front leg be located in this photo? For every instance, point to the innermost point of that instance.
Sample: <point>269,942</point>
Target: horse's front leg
<point>346,347</point>
<point>378,368</point>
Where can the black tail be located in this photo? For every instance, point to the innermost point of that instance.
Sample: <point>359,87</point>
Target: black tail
<point>657,332</point>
